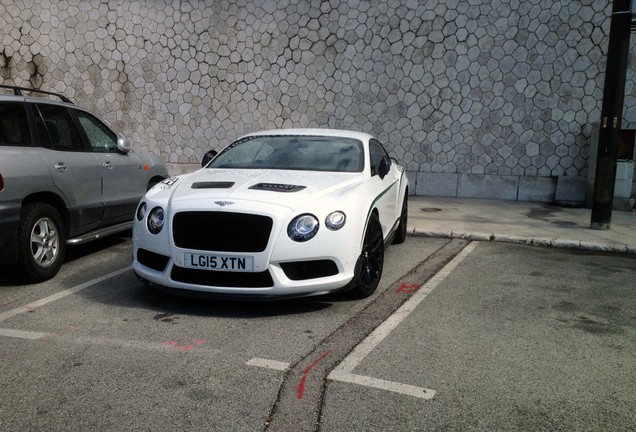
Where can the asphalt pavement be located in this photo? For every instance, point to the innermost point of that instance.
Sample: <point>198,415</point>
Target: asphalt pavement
<point>486,335</point>
<point>520,222</point>
<point>505,337</point>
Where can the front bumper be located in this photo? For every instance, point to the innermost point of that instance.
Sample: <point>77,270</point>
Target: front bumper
<point>232,296</point>
<point>278,266</point>
<point>272,283</point>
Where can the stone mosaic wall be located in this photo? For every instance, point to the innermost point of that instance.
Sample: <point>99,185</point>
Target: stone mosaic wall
<point>476,97</point>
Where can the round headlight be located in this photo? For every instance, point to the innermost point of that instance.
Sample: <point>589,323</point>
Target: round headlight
<point>303,228</point>
<point>155,220</point>
<point>141,211</point>
<point>335,220</point>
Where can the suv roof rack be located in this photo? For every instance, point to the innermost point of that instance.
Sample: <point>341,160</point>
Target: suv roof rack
<point>18,92</point>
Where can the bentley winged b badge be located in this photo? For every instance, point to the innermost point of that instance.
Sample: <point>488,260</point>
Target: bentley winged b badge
<point>223,203</point>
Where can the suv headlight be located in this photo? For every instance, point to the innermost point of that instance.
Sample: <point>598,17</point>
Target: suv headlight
<point>155,220</point>
<point>303,227</point>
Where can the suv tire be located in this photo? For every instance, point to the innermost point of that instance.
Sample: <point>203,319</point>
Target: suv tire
<point>41,242</point>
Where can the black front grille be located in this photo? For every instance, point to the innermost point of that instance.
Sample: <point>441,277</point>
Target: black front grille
<point>221,231</point>
<point>222,279</point>
<point>153,260</point>
<point>302,270</point>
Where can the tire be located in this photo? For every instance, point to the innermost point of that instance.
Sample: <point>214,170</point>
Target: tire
<point>370,263</point>
<point>400,233</point>
<point>152,183</point>
<point>41,242</point>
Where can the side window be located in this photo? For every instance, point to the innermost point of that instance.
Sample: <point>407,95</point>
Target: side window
<point>99,136</point>
<point>14,126</point>
<point>377,154</point>
<point>56,128</point>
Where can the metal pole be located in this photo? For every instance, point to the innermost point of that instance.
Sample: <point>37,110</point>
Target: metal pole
<point>611,115</point>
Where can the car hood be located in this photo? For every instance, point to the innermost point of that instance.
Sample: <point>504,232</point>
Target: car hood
<point>291,189</point>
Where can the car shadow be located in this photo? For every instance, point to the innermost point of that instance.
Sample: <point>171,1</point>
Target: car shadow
<point>126,291</point>
<point>80,251</point>
<point>167,303</point>
<point>10,274</point>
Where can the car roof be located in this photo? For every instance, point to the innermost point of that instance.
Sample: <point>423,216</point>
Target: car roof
<point>31,99</point>
<point>44,98</point>
<point>40,94</point>
<point>313,132</point>
<point>47,100</point>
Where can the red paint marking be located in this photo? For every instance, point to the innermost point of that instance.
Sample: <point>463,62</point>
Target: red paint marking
<point>301,386</point>
<point>175,345</point>
<point>408,288</point>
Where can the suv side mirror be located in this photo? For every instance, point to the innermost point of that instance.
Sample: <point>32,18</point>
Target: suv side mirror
<point>208,157</point>
<point>123,145</point>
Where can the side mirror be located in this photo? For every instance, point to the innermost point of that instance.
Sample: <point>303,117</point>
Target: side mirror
<point>384,168</point>
<point>208,157</point>
<point>123,145</point>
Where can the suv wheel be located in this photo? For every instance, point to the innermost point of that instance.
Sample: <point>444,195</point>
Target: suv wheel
<point>41,242</point>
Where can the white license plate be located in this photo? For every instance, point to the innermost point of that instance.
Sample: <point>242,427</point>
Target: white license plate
<point>219,262</point>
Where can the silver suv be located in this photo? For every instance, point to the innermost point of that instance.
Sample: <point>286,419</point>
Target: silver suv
<point>65,178</point>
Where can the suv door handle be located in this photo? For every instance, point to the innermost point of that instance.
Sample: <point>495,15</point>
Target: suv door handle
<point>61,167</point>
<point>108,165</point>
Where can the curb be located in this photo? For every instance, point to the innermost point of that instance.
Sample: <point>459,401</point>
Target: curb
<point>534,241</point>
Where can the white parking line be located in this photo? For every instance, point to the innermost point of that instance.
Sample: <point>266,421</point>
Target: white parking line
<point>31,306</point>
<point>108,342</point>
<point>381,384</point>
<point>343,372</point>
<point>269,364</point>
<point>22,334</point>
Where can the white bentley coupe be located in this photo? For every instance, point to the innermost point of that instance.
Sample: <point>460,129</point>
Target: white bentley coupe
<point>276,214</point>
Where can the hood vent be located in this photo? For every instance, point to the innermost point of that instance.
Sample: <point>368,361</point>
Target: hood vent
<point>277,187</point>
<point>212,185</point>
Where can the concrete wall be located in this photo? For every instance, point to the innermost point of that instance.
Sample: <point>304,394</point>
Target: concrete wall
<point>477,98</point>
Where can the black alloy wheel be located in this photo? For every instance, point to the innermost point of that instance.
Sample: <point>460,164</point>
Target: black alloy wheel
<point>371,261</point>
<point>400,233</point>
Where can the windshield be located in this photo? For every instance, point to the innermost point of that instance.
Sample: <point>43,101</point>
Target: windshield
<point>313,153</point>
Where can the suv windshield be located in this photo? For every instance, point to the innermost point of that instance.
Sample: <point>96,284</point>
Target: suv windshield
<point>313,153</point>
